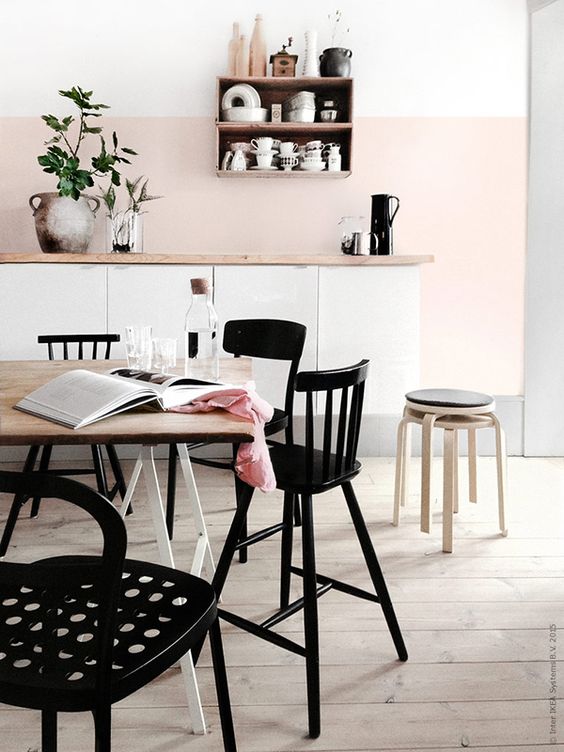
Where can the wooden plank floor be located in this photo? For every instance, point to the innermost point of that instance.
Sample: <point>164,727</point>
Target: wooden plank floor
<point>476,623</point>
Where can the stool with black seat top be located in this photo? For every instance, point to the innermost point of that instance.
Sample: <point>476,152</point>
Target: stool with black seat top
<point>452,410</point>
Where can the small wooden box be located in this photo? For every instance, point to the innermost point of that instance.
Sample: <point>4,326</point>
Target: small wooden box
<point>283,64</point>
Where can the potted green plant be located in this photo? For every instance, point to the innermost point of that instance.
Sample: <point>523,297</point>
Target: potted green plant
<point>336,60</point>
<point>124,228</point>
<point>64,220</point>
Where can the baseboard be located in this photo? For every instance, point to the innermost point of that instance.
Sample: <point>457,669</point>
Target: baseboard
<point>377,439</point>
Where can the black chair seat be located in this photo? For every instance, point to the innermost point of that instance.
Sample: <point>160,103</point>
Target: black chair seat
<point>293,472</point>
<point>449,398</point>
<point>162,612</point>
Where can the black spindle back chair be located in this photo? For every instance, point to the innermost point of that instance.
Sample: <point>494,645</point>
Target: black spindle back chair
<point>304,471</point>
<point>81,632</point>
<point>97,341</point>
<point>267,339</point>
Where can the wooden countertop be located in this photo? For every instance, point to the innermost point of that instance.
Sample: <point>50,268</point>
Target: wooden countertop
<point>214,259</point>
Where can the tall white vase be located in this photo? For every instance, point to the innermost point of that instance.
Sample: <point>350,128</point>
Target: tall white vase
<point>311,63</point>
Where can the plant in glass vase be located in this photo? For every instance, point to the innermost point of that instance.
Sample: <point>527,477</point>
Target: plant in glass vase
<point>65,220</point>
<point>124,228</point>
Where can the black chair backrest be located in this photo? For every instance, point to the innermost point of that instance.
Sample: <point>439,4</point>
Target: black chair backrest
<point>81,340</point>
<point>271,339</point>
<point>339,448</point>
<point>47,594</point>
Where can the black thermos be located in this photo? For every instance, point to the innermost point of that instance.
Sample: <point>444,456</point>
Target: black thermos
<point>383,213</point>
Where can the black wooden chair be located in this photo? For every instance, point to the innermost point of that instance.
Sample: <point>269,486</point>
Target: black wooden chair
<point>79,633</point>
<point>308,471</point>
<point>269,339</point>
<point>96,341</point>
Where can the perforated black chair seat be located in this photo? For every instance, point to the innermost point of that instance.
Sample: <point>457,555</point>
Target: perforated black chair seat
<point>161,614</point>
<point>449,398</point>
<point>293,473</point>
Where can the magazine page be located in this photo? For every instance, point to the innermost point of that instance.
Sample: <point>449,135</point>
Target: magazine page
<point>171,390</point>
<point>80,397</point>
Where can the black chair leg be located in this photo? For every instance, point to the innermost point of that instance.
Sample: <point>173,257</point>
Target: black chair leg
<point>43,467</point>
<point>311,624</point>
<point>48,731</point>
<point>222,688</point>
<point>17,503</point>
<point>99,471</point>
<point>375,571</point>
<point>297,511</point>
<point>103,728</point>
<point>244,551</point>
<point>120,486</point>
<point>171,489</point>
<point>286,548</point>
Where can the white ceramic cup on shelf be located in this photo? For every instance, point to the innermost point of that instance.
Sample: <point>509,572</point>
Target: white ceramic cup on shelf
<point>287,148</point>
<point>264,161</point>
<point>262,144</point>
<point>138,346</point>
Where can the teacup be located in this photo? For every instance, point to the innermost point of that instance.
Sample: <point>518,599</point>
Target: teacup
<point>243,146</point>
<point>262,144</point>
<point>317,145</point>
<point>264,160</point>
<point>314,153</point>
<point>287,148</point>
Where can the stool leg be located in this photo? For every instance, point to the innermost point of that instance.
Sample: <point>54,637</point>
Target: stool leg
<point>455,472</point>
<point>406,464</point>
<point>501,462</point>
<point>426,462</point>
<point>400,470</point>
<point>472,461</point>
<point>448,490</point>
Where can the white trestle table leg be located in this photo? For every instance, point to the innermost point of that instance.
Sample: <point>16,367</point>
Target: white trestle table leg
<point>203,558</point>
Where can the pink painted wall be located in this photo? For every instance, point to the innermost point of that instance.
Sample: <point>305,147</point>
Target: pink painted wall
<point>462,185</point>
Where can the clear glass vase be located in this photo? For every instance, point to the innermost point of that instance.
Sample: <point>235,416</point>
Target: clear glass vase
<point>124,232</point>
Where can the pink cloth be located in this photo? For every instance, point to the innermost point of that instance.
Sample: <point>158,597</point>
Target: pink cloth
<point>253,463</point>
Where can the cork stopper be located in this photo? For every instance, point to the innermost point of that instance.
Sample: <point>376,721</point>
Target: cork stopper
<point>200,286</point>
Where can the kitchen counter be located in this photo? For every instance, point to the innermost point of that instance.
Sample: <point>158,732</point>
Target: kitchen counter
<point>214,259</point>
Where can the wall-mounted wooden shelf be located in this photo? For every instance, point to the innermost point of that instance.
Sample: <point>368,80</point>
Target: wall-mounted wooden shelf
<point>275,91</point>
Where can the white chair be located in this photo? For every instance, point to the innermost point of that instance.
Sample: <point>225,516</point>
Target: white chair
<point>452,410</point>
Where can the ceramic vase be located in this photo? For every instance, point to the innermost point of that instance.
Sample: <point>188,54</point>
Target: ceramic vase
<point>62,224</point>
<point>335,61</point>
<point>310,58</point>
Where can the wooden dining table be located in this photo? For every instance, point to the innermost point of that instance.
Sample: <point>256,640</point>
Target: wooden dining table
<point>139,426</point>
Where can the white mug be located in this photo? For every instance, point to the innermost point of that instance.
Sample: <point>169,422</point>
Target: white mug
<point>287,148</point>
<point>311,145</point>
<point>264,143</point>
<point>264,160</point>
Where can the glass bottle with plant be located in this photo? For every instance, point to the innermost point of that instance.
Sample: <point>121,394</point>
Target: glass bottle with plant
<point>124,230</point>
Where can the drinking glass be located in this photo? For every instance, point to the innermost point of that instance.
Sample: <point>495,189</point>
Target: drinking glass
<point>138,346</point>
<point>164,354</point>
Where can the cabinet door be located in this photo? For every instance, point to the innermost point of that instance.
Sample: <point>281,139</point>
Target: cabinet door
<point>372,313</point>
<point>271,292</point>
<point>154,294</point>
<point>48,299</point>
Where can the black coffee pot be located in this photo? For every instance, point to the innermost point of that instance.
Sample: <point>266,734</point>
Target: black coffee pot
<point>382,217</point>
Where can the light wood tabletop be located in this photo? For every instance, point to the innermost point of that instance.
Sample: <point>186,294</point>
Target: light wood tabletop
<point>138,426</point>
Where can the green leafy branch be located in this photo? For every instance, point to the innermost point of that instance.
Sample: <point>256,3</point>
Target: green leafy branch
<point>62,157</point>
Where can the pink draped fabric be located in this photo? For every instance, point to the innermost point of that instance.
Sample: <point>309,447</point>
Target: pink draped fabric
<point>253,463</point>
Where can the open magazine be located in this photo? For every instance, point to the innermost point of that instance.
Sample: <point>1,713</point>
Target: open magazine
<point>78,398</point>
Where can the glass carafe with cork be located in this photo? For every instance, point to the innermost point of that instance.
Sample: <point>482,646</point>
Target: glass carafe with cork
<point>200,334</point>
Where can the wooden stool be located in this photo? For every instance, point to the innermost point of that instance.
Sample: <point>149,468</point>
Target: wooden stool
<point>452,410</point>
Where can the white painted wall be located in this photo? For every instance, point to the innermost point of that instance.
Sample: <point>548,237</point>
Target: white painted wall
<point>544,360</point>
<point>410,57</point>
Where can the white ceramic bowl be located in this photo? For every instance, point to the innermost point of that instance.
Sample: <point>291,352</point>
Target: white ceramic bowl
<point>245,114</point>
<point>312,166</point>
<point>303,115</point>
<point>244,93</point>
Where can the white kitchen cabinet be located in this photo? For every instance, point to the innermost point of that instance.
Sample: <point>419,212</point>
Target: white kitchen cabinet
<point>151,294</point>
<point>372,313</point>
<point>48,299</point>
<point>273,292</point>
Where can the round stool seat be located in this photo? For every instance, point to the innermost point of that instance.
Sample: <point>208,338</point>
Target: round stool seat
<point>457,398</point>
